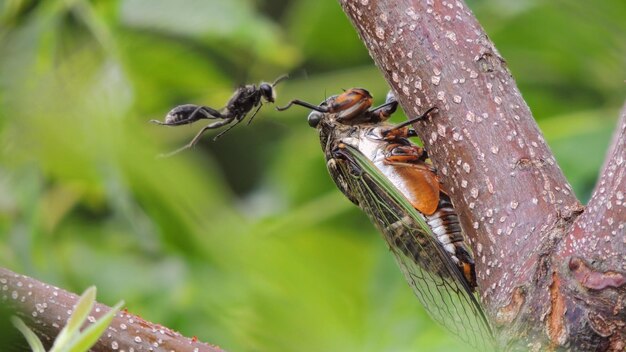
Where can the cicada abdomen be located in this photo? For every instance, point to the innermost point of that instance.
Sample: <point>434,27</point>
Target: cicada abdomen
<point>445,225</point>
<point>404,164</point>
<point>379,169</point>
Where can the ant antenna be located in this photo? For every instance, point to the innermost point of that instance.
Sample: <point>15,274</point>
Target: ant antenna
<point>281,78</point>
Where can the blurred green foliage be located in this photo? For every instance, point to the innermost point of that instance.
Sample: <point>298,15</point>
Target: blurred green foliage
<point>244,242</point>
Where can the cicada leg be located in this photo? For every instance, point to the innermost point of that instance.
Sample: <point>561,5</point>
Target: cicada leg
<point>396,153</point>
<point>383,112</point>
<point>402,130</point>
<point>339,153</point>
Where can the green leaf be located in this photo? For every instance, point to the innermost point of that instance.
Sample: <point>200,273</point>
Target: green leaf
<point>90,335</point>
<point>76,320</point>
<point>29,335</point>
<point>71,339</point>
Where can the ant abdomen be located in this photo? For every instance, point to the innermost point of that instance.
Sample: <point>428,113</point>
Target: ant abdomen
<point>188,113</point>
<point>181,113</point>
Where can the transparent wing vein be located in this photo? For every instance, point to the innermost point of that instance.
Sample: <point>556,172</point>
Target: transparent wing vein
<point>430,272</point>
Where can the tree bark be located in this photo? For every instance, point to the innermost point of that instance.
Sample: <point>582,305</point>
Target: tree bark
<point>45,309</point>
<point>550,274</point>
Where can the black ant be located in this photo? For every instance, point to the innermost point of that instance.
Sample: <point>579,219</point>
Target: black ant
<point>238,106</point>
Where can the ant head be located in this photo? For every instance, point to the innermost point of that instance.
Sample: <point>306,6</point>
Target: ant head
<point>267,92</point>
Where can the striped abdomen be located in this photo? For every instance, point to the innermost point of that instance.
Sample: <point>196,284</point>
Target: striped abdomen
<point>444,223</point>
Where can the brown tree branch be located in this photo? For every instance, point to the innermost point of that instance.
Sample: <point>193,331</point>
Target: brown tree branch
<point>606,211</point>
<point>513,201</point>
<point>595,253</point>
<point>45,309</point>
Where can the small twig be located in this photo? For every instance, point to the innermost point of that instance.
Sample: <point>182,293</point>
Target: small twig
<point>45,309</point>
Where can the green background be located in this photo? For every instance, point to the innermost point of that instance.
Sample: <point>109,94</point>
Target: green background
<point>244,242</point>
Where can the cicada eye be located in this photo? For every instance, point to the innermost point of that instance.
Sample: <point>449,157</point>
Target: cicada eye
<point>314,118</point>
<point>267,92</point>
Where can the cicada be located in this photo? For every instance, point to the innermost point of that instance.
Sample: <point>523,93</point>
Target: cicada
<point>377,167</point>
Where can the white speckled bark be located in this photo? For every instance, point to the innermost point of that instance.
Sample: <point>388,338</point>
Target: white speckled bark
<point>514,203</point>
<point>45,309</point>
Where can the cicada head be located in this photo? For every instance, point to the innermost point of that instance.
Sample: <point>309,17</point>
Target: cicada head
<point>324,121</point>
<point>316,116</point>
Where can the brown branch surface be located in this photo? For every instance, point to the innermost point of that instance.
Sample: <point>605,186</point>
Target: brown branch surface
<point>45,309</point>
<point>593,258</point>
<point>512,198</point>
<point>606,211</point>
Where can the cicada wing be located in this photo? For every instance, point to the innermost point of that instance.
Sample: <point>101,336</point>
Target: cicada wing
<point>428,268</point>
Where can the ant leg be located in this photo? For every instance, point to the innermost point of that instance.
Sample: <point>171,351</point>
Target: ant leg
<point>167,155</point>
<point>253,115</point>
<point>229,127</point>
<point>197,137</point>
<point>188,145</point>
<point>207,113</point>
